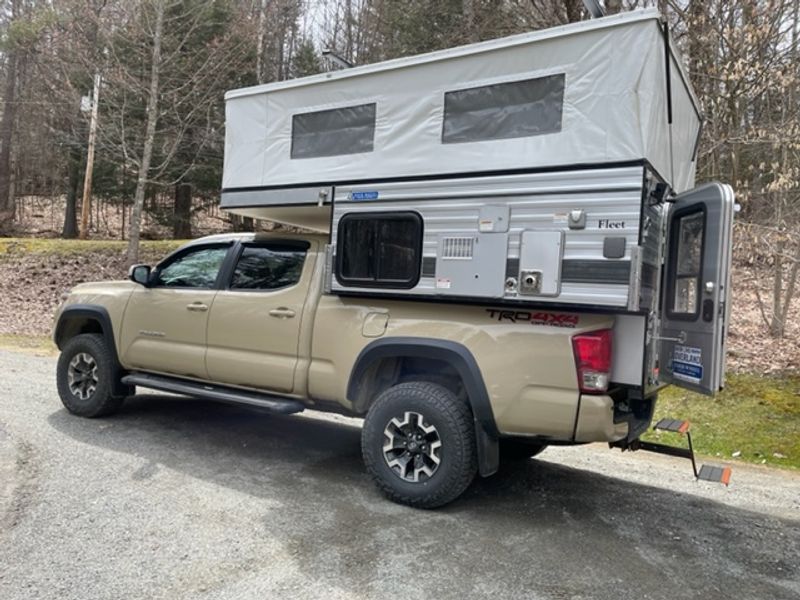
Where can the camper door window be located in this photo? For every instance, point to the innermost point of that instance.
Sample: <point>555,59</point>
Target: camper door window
<point>687,242</point>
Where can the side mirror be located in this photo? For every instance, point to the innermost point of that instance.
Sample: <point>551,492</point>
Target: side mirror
<point>139,274</point>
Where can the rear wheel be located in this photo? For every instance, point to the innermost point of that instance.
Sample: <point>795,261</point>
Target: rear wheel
<point>84,377</point>
<point>418,444</point>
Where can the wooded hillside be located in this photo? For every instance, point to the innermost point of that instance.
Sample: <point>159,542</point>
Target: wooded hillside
<point>155,72</point>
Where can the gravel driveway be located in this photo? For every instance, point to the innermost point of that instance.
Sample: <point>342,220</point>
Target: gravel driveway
<point>183,499</point>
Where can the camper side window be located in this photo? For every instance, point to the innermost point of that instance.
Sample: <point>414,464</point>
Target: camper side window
<point>379,250</point>
<point>349,130</point>
<point>687,262</point>
<point>504,110</point>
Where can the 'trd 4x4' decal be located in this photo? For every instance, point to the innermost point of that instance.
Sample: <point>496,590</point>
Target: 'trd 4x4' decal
<point>534,318</point>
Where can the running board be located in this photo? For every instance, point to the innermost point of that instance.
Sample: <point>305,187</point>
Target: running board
<point>218,393</point>
<point>706,473</point>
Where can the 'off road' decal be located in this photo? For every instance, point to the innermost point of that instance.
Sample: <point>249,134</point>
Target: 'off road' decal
<point>534,317</point>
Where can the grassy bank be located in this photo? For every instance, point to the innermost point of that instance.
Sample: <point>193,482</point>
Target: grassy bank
<point>757,418</point>
<point>17,246</point>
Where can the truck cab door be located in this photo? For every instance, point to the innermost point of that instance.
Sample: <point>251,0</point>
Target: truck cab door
<point>695,304</point>
<point>255,323</point>
<point>164,325</point>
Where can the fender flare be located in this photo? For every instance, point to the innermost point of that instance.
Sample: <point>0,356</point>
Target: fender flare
<point>462,360</point>
<point>99,314</point>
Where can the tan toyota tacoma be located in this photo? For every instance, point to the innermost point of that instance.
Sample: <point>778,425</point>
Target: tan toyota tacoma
<point>445,390</point>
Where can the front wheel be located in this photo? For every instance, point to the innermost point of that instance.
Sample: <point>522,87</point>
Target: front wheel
<point>418,444</point>
<point>84,377</point>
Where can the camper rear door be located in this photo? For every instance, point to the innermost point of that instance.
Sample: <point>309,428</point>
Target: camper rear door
<point>695,305</point>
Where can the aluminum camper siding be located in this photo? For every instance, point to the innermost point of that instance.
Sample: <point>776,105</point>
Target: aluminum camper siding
<point>537,202</point>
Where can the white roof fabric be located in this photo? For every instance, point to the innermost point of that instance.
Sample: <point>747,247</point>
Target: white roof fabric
<point>608,74</point>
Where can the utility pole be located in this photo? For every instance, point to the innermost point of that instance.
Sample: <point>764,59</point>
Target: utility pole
<point>87,180</point>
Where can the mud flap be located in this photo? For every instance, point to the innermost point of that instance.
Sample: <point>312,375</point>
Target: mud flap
<point>488,451</point>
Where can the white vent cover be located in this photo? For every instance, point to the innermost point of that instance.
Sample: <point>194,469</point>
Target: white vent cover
<point>458,248</point>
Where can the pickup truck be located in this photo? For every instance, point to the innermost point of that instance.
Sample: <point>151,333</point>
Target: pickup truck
<point>445,389</point>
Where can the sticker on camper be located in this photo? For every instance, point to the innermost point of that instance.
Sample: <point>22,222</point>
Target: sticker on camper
<point>560,218</point>
<point>443,284</point>
<point>363,195</point>
<point>687,364</point>
<point>486,225</point>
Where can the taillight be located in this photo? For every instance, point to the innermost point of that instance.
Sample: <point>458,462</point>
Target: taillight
<point>593,360</point>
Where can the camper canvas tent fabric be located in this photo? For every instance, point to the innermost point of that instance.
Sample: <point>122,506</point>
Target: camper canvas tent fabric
<point>594,92</point>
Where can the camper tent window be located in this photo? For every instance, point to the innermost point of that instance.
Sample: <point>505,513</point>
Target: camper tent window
<point>379,250</point>
<point>334,132</point>
<point>504,110</point>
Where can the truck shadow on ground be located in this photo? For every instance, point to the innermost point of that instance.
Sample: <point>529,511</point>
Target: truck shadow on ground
<point>533,511</point>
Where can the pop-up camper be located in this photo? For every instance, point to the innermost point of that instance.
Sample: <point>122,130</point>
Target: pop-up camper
<point>544,169</point>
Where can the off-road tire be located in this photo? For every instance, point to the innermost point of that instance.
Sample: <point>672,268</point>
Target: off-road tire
<point>516,450</point>
<point>453,422</point>
<point>101,401</point>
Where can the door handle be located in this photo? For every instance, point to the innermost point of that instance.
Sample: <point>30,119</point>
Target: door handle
<point>282,313</point>
<point>197,307</point>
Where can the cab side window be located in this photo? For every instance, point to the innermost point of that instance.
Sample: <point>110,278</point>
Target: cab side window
<point>195,268</point>
<point>268,267</point>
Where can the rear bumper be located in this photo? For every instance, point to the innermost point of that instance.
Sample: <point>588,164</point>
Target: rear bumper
<point>596,421</point>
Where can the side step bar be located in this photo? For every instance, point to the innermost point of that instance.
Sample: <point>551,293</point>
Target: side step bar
<point>219,393</point>
<point>706,473</point>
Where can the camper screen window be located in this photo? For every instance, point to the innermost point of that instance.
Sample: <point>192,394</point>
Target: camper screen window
<point>504,110</point>
<point>379,250</point>
<point>333,132</point>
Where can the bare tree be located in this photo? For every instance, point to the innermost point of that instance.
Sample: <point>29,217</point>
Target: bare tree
<point>15,56</point>
<point>150,133</point>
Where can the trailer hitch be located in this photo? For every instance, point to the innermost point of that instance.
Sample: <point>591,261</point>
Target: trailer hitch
<point>706,473</point>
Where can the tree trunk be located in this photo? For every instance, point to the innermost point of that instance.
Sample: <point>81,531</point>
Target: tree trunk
<point>149,138</point>
<point>7,130</point>
<point>262,23</point>
<point>182,215</point>
<point>469,21</point>
<point>776,327</point>
<point>573,10</point>
<point>613,6</point>
<point>86,201</point>
<point>70,229</point>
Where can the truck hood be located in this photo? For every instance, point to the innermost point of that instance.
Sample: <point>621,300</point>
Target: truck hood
<point>104,286</point>
<point>101,293</point>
